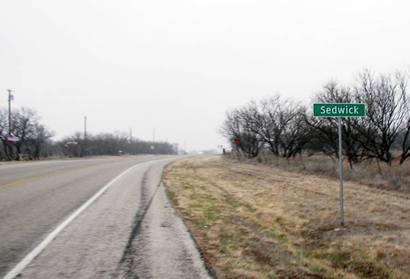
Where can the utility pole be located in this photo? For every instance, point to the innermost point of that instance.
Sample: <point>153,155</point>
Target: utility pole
<point>84,153</point>
<point>85,127</point>
<point>11,97</point>
<point>130,134</point>
<point>153,135</point>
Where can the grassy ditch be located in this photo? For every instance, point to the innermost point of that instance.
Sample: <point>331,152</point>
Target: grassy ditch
<point>255,221</point>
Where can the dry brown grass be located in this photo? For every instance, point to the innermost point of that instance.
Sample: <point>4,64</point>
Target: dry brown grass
<point>256,221</point>
<point>395,177</point>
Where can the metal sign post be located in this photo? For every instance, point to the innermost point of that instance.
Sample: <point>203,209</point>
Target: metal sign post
<point>341,198</point>
<point>340,110</point>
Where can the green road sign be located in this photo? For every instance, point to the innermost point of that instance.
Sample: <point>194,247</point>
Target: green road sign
<point>339,110</point>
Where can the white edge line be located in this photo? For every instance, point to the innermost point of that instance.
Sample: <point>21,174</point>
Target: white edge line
<point>42,245</point>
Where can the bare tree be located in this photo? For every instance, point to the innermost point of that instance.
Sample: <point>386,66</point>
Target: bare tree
<point>296,134</point>
<point>39,140</point>
<point>27,135</point>
<point>239,129</point>
<point>23,124</point>
<point>279,123</point>
<point>276,114</point>
<point>405,142</point>
<point>7,148</point>
<point>324,134</point>
<point>387,111</point>
<point>275,123</point>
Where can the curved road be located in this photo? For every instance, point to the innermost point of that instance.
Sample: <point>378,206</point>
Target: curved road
<point>130,231</point>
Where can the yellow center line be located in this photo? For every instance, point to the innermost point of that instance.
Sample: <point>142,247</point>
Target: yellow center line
<point>29,179</point>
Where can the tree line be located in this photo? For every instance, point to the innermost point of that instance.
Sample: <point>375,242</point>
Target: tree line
<point>287,128</point>
<point>112,144</point>
<point>27,138</point>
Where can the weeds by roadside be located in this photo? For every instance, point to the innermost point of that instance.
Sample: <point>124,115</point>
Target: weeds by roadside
<point>371,173</point>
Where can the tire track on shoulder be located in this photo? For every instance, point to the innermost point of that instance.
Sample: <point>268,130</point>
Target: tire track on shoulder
<point>129,260</point>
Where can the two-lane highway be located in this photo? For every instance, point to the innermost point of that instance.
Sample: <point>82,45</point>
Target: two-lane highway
<point>35,198</point>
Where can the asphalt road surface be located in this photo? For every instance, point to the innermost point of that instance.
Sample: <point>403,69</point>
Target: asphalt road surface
<point>92,218</point>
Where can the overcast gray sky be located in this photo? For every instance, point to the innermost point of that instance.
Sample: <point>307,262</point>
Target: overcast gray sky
<point>177,66</point>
